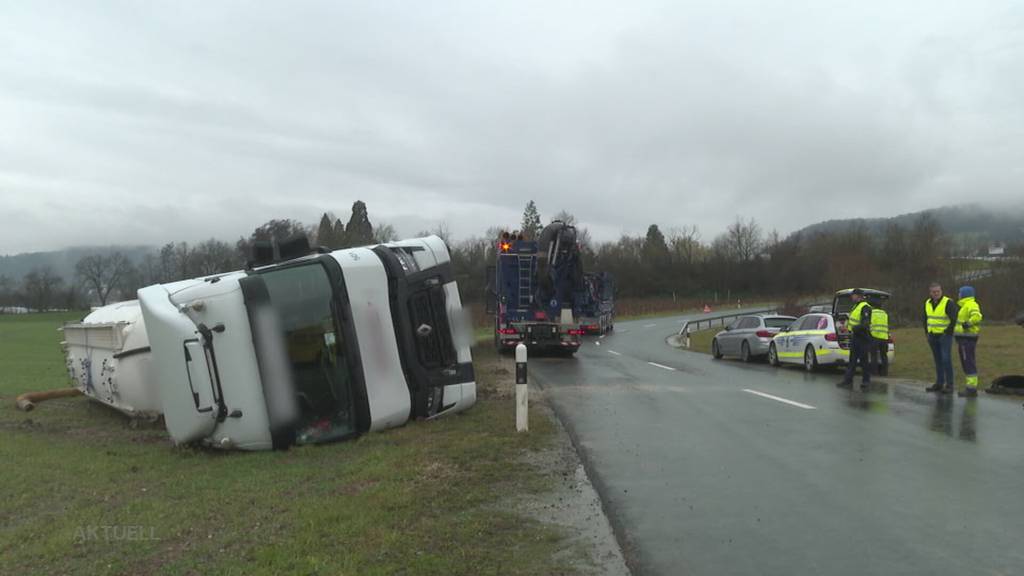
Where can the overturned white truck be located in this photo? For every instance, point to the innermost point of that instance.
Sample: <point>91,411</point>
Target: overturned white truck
<point>296,349</point>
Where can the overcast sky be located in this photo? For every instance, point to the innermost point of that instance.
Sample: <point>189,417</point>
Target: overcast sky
<point>147,122</point>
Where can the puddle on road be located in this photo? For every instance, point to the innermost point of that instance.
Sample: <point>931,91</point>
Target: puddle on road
<point>939,413</point>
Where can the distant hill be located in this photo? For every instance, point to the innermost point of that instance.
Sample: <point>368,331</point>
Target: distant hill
<point>970,224</point>
<point>63,261</point>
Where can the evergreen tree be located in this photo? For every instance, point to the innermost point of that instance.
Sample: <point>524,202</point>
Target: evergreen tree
<point>325,232</point>
<point>655,250</point>
<point>338,235</point>
<point>531,220</point>
<point>359,231</point>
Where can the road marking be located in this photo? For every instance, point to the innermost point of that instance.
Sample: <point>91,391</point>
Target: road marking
<point>662,366</point>
<point>597,343</point>
<point>613,352</point>
<point>649,325</point>
<point>777,399</point>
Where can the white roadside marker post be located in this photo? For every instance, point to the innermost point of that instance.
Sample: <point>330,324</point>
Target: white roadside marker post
<point>522,416</point>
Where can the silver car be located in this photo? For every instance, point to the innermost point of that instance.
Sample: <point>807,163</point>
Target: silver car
<point>749,337</point>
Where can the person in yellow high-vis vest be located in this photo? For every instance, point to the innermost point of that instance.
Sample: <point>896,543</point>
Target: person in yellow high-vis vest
<point>859,325</point>
<point>880,340</point>
<point>939,320</point>
<point>967,329</point>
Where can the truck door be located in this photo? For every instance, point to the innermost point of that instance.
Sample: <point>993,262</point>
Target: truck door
<point>183,368</point>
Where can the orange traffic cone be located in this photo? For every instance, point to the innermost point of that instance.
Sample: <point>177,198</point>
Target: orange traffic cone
<point>707,308</point>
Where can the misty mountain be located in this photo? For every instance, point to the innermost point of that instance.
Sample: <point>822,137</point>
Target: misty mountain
<point>63,261</point>
<point>968,225</point>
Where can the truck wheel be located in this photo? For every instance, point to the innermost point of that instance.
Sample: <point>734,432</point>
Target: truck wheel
<point>773,356</point>
<point>810,359</point>
<point>715,352</point>
<point>745,353</point>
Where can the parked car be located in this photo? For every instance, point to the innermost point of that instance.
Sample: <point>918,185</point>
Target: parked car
<point>748,337</point>
<point>813,341</point>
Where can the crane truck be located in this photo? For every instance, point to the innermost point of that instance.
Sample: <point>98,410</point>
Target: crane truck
<point>532,286</point>
<point>302,347</point>
<point>595,303</point>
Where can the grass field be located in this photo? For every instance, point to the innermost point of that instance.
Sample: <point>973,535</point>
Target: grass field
<point>84,492</point>
<point>999,353</point>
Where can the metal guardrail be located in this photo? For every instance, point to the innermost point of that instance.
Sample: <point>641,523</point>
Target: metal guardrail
<point>705,323</point>
<point>695,325</point>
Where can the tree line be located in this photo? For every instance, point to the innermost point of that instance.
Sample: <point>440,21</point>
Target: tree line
<point>749,263</point>
<point>743,262</point>
<point>109,277</point>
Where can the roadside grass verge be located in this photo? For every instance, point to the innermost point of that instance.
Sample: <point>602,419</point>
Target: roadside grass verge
<point>999,353</point>
<point>88,492</point>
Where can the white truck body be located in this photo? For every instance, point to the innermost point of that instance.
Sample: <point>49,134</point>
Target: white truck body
<point>318,348</point>
<point>107,357</point>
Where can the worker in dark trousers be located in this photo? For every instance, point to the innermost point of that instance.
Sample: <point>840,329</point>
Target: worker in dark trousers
<point>968,327</point>
<point>880,339</point>
<point>859,324</point>
<point>939,322</point>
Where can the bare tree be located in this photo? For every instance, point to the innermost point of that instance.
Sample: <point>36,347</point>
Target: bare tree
<point>213,257</point>
<point>443,231</point>
<point>684,243</point>
<point>384,233</point>
<point>41,287</point>
<point>6,291</point>
<point>743,240</point>
<point>102,273</point>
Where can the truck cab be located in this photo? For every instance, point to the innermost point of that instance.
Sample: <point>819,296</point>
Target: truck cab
<point>310,349</point>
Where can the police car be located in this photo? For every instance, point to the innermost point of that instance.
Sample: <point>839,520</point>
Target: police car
<point>812,340</point>
<point>821,339</point>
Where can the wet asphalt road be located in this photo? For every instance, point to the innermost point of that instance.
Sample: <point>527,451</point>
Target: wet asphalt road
<point>701,473</point>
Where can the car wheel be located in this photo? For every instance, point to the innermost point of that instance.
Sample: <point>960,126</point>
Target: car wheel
<point>745,353</point>
<point>715,352</point>
<point>810,359</point>
<point>773,355</point>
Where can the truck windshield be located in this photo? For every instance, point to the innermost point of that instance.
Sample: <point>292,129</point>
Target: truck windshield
<point>304,300</point>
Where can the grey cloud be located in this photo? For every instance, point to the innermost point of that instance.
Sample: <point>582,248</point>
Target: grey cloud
<point>186,120</point>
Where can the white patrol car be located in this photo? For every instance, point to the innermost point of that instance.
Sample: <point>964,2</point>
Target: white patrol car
<point>812,340</point>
